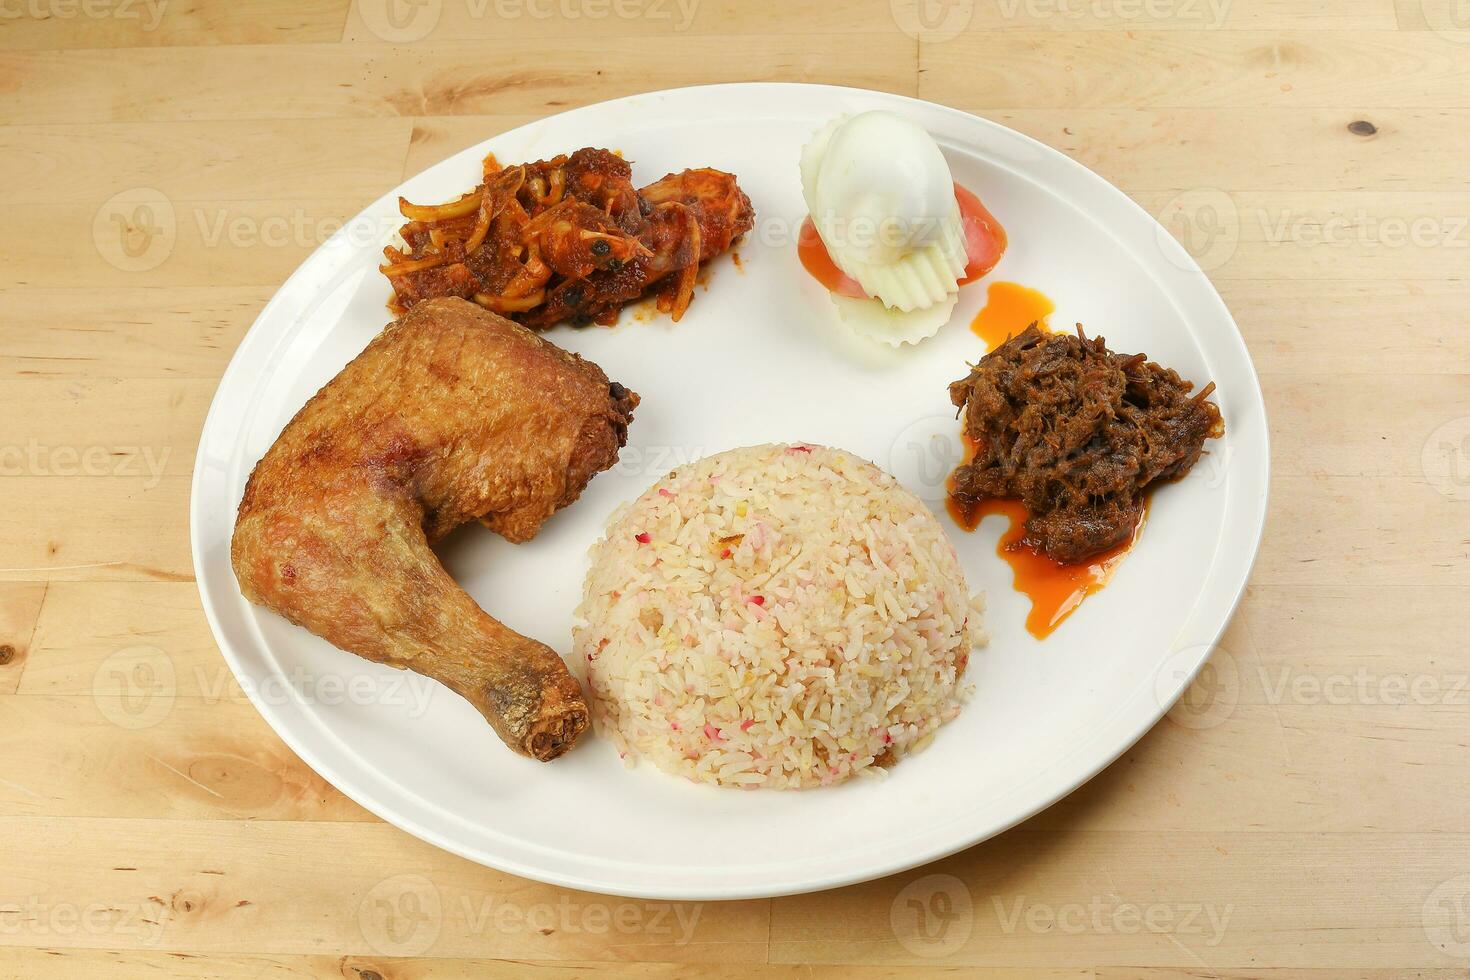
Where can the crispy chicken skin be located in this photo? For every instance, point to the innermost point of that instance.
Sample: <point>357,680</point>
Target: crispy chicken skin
<point>452,414</point>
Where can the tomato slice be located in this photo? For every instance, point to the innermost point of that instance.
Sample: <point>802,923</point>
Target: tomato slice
<point>985,239</point>
<point>818,262</point>
<point>985,243</point>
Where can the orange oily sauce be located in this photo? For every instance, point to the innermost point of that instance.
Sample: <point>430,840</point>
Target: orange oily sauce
<point>1010,308</point>
<point>1055,590</point>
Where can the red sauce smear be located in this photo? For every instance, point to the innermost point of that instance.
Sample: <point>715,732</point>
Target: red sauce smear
<point>1010,308</point>
<point>1055,590</point>
<point>985,243</point>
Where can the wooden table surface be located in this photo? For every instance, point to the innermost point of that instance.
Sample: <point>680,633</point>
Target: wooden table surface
<point>1303,813</point>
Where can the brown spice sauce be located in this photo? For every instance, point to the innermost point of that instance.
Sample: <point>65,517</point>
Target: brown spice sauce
<point>1055,590</point>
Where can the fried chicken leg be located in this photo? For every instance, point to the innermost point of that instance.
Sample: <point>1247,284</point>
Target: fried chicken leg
<point>452,414</point>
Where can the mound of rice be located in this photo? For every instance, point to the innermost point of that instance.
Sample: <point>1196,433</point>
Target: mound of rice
<point>781,616</point>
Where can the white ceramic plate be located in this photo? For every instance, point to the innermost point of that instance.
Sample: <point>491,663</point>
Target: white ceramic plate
<point>759,358</point>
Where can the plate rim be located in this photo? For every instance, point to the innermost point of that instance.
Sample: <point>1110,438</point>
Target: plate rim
<point>712,892</point>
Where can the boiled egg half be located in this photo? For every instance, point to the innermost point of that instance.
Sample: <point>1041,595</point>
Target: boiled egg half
<point>890,234</point>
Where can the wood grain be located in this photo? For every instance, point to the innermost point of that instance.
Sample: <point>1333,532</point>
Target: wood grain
<point>20,610</point>
<point>1206,69</point>
<point>32,24</point>
<point>452,77</point>
<point>1298,816</point>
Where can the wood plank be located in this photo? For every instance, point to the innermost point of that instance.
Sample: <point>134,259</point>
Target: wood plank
<point>1442,17</point>
<point>102,429</point>
<point>1319,756</point>
<point>1351,327</point>
<point>1361,531</point>
<point>1225,69</point>
<point>1214,901</point>
<point>438,137</point>
<point>1326,632</point>
<point>95,528</point>
<point>1162,15</point>
<point>240,887</point>
<point>77,334</point>
<point>1289,149</point>
<point>144,239</point>
<point>20,610</point>
<point>132,749</point>
<point>1357,438</point>
<point>85,623</point>
<point>1317,235</point>
<point>286,159</point>
<point>672,20</point>
<point>447,78</point>
<point>1272,973</point>
<point>36,24</point>
<point>87,964</point>
<point>660,22</point>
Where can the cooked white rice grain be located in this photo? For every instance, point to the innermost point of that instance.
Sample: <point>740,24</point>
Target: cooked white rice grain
<point>780,616</point>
